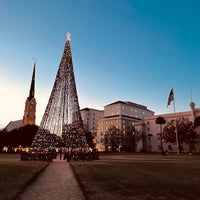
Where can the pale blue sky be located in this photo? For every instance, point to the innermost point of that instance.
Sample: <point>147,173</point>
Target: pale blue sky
<point>132,50</point>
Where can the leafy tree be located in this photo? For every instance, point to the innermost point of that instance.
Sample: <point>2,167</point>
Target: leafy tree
<point>22,136</point>
<point>185,132</point>
<point>90,138</point>
<point>169,134</point>
<point>197,122</point>
<point>129,140</point>
<point>26,134</point>
<point>113,138</point>
<point>197,126</point>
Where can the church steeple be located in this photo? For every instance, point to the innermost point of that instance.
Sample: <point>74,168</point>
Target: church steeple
<point>32,88</point>
<point>30,105</point>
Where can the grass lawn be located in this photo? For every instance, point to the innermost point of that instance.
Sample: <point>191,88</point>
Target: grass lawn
<point>16,174</point>
<point>139,176</point>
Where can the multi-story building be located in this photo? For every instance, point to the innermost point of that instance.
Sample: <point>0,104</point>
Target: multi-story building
<point>123,115</point>
<point>133,118</point>
<point>90,118</point>
<point>150,140</point>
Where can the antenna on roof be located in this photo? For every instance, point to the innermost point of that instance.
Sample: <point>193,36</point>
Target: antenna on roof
<point>191,95</point>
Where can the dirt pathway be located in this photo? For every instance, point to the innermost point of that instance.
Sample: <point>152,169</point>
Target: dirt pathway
<point>56,182</point>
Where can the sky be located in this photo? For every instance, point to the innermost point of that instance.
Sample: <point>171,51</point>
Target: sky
<point>128,50</point>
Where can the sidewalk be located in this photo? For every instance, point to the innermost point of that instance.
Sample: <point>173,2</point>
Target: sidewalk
<point>56,182</point>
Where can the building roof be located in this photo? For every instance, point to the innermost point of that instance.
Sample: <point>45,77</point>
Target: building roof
<point>128,103</point>
<point>13,125</point>
<point>88,109</point>
<point>169,115</point>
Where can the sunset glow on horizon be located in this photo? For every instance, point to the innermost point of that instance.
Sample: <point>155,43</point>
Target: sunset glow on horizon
<point>130,51</point>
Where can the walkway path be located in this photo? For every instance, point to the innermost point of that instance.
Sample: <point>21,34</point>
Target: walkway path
<point>56,182</point>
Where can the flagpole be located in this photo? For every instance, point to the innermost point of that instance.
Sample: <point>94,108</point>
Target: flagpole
<point>176,131</point>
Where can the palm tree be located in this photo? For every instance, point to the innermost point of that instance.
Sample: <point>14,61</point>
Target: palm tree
<point>161,121</point>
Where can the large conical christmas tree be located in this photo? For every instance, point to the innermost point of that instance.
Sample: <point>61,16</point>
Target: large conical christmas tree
<point>62,112</point>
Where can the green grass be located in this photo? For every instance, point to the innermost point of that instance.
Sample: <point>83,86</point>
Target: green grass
<point>140,176</point>
<point>115,176</point>
<point>16,174</point>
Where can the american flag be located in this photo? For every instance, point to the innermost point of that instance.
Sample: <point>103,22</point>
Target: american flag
<point>170,98</point>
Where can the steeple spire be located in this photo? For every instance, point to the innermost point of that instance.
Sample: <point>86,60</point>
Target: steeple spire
<point>32,88</point>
